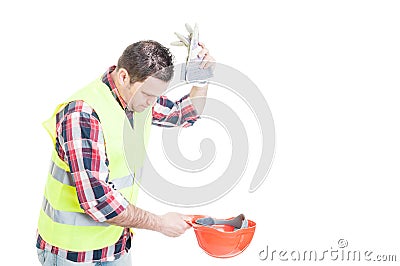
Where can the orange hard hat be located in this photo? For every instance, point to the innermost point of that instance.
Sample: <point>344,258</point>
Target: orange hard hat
<point>222,240</point>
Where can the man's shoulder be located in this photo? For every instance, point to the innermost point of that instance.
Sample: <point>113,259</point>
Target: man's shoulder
<point>77,107</point>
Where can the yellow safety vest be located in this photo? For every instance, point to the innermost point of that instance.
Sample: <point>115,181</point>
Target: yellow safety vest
<point>62,222</point>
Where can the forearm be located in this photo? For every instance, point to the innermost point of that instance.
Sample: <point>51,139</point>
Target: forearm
<point>198,96</point>
<point>167,113</point>
<point>134,217</point>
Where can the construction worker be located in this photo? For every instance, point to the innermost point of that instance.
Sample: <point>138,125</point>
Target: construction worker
<point>89,200</point>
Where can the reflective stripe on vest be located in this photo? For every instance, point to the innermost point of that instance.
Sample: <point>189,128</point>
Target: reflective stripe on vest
<point>71,218</point>
<point>60,175</point>
<point>66,178</point>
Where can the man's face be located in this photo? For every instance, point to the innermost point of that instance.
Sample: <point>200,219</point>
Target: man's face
<point>144,94</point>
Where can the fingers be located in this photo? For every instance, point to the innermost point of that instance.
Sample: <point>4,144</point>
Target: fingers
<point>173,224</point>
<point>203,52</point>
<point>202,45</point>
<point>179,229</point>
<point>185,224</point>
<point>187,219</point>
<point>208,61</point>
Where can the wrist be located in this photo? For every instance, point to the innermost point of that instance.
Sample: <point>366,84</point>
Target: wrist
<point>158,223</point>
<point>200,85</point>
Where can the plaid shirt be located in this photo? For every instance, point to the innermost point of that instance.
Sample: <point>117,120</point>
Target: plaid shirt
<point>78,128</point>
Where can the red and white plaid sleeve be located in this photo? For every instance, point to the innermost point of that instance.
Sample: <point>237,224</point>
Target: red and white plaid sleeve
<point>167,113</point>
<point>80,143</point>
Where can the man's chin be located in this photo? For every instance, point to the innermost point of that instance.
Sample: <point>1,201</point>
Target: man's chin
<point>139,109</point>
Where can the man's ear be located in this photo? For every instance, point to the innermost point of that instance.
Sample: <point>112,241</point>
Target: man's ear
<point>123,77</point>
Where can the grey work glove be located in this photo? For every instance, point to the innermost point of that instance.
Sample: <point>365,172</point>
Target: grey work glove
<point>192,73</point>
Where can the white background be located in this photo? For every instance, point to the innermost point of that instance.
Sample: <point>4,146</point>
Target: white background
<point>328,69</point>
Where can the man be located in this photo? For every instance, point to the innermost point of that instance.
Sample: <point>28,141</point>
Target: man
<point>88,206</point>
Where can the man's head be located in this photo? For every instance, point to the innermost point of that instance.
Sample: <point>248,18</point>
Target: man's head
<point>143,73</point>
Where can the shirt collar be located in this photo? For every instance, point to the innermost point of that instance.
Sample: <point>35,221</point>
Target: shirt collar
<point>110,83</point>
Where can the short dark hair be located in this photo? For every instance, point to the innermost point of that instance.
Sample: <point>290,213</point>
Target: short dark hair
<point>147,58</point>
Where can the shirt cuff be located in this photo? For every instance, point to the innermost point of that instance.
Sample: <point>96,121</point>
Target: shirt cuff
<point>109,206</point>
<point>191,115</point>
